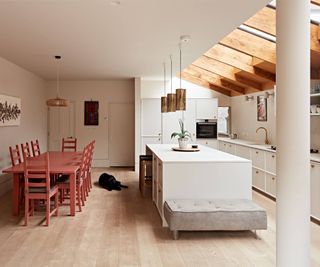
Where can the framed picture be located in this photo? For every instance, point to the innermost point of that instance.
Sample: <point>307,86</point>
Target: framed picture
<point>91,113</point>
<point>10,110</point>
<point>261,108</point>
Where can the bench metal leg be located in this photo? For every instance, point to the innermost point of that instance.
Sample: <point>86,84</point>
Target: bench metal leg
<point>256,234</point>
<point>175,234</point>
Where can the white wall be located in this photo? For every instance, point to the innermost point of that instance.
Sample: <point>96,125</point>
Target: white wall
<point>244,118</point>
<point>106,92</point>
<point>15,81</point>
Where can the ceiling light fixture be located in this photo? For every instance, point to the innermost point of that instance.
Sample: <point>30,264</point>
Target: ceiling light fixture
<point>171,97</point>
<point>180,92</point>
<point>57,102</point>
<point>164,103</point>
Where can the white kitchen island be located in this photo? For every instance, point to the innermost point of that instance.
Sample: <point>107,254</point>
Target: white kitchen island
<point>207,174</point>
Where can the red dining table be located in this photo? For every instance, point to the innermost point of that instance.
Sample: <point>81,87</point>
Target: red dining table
<point>67,163</point>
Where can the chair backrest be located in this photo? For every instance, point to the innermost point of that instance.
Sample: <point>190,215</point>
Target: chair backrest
<point>25,150</point>
<point>83,164</point>
<point>37,174</point>
<point>69,144</point>
<point>35,148</point>
<point>90,148</point>
<point>15,155</point>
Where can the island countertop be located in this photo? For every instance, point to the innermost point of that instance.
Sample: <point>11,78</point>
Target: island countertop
<point>206,154</point>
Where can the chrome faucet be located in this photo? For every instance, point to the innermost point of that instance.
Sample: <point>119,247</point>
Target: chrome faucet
<point>266,141</point>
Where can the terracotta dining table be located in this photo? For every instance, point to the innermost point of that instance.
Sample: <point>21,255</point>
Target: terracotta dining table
<point>66,163</point>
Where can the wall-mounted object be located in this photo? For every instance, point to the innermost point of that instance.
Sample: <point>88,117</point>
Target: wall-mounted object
<point>261,108</point>
<point>91,113</point>
<point>10,110</point>
<point>249,98</point>
<point>57,101</point>
<point>268,94</point>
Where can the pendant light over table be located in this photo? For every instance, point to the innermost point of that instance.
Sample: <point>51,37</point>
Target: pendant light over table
<point>164,103</point>
<point>57,101</point>
<point>180,92</point>
<point>171,97</point>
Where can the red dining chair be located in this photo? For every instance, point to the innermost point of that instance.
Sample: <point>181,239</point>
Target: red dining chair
<point>16,159</point>
<point>37,187</point>
<point>25,150</point>
<point>88,179</point>
<point>69,144</point>
<point>35,148</point>
<point>63,182</point>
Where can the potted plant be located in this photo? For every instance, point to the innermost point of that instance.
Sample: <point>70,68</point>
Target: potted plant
<point>184,136</point>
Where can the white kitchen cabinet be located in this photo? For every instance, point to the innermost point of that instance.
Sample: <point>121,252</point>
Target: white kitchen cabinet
<point>271,162</point>
<point>170,122</point>
<point>213,143</point>
<point>231,148</point>
<point>150,117</point>
<point>243,152</point>
<point>189,117</point>
<point>315,189</point>
<point>271,184</point>
<point>207,109</point>
<point>258,179</point>
<point>258,158</point>
<point>222,146</point>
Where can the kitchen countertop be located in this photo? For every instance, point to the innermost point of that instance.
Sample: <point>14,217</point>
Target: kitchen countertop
<point>206,154</point>
<point>255,145</point>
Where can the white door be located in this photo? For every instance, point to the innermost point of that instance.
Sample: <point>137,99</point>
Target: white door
<point>207,109</point>
<point>61,124</point>
<point>170,125</point>
<point>121,134</point>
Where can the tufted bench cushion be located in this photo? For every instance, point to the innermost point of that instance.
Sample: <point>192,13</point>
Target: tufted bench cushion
<point>215,214</point>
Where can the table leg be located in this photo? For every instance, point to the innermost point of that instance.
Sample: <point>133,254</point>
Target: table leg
<point>15,194</point>
<point>72,194</point>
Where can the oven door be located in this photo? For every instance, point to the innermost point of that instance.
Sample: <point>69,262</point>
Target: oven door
<point>206,130</point>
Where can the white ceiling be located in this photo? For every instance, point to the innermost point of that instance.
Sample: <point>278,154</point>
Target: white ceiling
<point>100,41</point>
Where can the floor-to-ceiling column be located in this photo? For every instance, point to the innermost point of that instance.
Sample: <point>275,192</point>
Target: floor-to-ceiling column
<point>293,132</point>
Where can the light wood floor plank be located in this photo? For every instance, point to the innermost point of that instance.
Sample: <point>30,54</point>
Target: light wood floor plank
<point>123,229</point>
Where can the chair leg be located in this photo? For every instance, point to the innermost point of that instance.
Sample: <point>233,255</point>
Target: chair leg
<point>48,211</point>
<point>26,210</point>
<point>78,196</point>
<point>56,204</point>
<point>83,195</point>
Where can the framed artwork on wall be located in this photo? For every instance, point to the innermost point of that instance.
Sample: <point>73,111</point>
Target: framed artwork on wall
<point>261,108</point>
<point>10,110</point>
<point>91,113</point>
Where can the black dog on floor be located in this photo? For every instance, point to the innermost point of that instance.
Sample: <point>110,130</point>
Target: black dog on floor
<point>108,182</point>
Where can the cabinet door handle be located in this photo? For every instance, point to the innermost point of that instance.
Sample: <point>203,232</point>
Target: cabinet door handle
<point>224,144</point>
<point>230,145</point>
<point>257,152</point>
<point>257,172</point>
<point>273,178</point>
<point>312,166</point>
<point>273,156</point>
<point>206,143</point>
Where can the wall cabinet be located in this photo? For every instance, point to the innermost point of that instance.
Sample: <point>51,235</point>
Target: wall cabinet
<point>207,109</point>
<point>150,117</point>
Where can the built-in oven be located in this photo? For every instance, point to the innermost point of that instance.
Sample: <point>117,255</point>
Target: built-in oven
<point>206,129</point>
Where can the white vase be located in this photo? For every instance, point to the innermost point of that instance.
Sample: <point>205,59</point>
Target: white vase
<point>183,143</point>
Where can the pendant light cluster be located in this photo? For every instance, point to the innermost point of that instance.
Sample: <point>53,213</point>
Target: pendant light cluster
<point>57,101</point>
<point>174,101</point>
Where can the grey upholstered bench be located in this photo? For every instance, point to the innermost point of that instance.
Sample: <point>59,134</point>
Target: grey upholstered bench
<point>214,215</point>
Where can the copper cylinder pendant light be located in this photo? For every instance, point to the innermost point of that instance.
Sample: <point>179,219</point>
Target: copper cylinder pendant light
<point>164,104</point>
<point>57,101</point>
<point>181,93</point>
<point>171,97</point>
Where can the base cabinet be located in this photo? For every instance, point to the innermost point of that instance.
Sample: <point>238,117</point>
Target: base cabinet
<point>315,189</point>
<point>213,143</point>
<point>258,179</point>
<point>271,184</point>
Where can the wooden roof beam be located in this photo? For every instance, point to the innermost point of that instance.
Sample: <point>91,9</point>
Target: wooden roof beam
<point>251,44</point>
<point>225,71</point>
<point>316,2</point>
<point>188,77</point>
<point>237,59</point>
<point>214,79</point>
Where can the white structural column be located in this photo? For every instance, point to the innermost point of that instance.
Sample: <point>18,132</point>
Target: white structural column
<point>293,133</point>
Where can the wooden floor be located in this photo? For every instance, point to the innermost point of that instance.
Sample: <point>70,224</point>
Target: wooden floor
<point>123,229</point>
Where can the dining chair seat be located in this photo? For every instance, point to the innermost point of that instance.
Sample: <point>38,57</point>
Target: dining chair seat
<point>53,189</point>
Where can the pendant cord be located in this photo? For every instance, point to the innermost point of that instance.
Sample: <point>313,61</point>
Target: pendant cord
<point>180,62</point>
<point>164,79</point>
<point>171,71</point>
<point>58,78</point>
